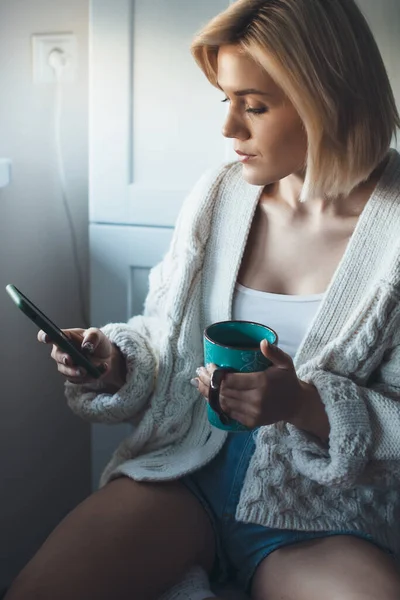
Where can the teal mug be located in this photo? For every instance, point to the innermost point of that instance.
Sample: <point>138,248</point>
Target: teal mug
<point>234,346</point>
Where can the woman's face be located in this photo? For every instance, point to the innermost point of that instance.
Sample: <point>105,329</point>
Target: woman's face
<point>262,122</point>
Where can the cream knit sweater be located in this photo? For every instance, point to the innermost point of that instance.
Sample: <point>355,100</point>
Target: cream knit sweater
<point>351,353</point>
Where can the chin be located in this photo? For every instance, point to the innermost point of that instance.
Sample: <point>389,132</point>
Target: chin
<point>254,177</point>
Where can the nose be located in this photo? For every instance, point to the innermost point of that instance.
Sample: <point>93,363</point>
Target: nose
<point>234,127</point>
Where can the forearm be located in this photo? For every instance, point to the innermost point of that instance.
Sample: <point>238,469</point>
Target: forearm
<point>312,416</point>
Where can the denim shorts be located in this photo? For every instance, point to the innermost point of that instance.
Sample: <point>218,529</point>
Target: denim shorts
<point>240,546</point>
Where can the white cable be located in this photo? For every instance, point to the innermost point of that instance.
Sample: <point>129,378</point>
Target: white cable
<point>58,61</point>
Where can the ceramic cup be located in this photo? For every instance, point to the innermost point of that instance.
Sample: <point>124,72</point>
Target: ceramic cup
<point>234,346</point>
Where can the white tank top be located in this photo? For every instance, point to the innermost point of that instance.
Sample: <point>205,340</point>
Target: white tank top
<point>289,316</point>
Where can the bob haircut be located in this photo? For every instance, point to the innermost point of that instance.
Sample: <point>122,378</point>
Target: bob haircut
<point>325,59</point>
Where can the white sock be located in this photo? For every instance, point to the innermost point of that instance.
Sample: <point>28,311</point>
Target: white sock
<point>195,585</point>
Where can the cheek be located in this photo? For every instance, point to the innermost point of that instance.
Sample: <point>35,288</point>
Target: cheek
<point>282,147</point>
<point>282,138</point>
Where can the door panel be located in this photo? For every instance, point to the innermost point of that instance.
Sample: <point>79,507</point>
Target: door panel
<point>155,119</point>
<point>121,258</point>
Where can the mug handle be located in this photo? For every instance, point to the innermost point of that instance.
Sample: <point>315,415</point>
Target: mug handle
<point>213,393</point>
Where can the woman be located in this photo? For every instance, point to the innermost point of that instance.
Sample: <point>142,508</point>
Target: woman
<point>308,505</point>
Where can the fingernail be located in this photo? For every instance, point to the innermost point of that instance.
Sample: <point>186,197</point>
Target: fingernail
<point>89,347</point>
<point>194,383</point>
<point>43,337</point>
<point>198,371</point>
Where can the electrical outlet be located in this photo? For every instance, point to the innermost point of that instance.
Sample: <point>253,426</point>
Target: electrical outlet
<point>43,45</point>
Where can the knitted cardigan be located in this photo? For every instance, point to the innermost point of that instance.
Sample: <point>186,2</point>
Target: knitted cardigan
<point>351,353</point>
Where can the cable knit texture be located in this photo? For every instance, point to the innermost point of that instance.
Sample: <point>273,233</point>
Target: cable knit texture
<point>351,353</point>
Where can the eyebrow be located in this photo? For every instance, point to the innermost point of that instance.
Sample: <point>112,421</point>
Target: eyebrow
<point>250,91</point>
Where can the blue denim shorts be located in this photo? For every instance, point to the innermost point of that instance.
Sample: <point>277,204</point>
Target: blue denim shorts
<point>240,546</point>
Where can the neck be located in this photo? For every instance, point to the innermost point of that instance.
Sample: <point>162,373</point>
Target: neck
<point>287,192</point>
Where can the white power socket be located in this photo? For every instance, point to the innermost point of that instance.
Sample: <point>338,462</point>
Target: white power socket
<point>43,45</point>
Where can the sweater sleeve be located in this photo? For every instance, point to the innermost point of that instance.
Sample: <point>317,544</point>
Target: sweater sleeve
<point>143,341</point>
<point>364,442</point>
<point>137,341</point>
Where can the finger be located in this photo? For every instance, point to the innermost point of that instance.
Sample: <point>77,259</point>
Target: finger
<point>43,337</point>
<point>246,407</point>
<point>229,404</point>
<point>76,374</point>
<point>242,382</point>
<point>79,380</point>
<point>56,354</point>
<point>232,382</point>
<point>66,360</point>
<point>75,335</point>
<point>95,342</point>
<point>60,356</point>
<point>203,389</point>
<point>72,372</point>
<point>203,375</point>
<point>210,368</point>
<point>91,339</point>
<point>278,357</point>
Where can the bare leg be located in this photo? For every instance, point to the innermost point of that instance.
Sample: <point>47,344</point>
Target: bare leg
<point>127,541</point>
<point>331,568</point>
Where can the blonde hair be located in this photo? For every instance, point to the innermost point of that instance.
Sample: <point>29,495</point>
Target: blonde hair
<point>324,57</point>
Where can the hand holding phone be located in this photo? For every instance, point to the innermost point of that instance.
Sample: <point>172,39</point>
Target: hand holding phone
<point>89,341</point>
<point>70,349</point>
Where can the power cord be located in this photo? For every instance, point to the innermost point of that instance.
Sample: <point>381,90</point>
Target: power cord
<point>58,60</point>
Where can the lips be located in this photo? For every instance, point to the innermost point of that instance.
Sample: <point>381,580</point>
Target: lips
<point>243,153</point>
<point>245,158</point>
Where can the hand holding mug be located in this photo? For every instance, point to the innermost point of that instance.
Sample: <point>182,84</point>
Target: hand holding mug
<point>258,398</point>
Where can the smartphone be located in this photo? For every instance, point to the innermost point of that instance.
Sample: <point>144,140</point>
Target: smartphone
<point>55,334</point>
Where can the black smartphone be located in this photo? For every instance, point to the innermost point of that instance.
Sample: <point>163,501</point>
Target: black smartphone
<point>55,334</point>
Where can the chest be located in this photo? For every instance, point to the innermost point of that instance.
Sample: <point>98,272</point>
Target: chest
<point>293,256</point>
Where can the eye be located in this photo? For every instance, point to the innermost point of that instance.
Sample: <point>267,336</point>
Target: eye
<point>257,111</point>
<point>253,111</point>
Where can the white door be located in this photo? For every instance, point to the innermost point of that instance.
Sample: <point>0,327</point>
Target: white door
<point>155,125</point>
<point>155,120</point>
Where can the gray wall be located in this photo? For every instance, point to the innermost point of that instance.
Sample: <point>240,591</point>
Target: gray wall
<point>44,449</point>
<point>383,17</point>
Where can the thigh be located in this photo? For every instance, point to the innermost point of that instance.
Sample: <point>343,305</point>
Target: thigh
<point>334,568</point>
<point>128,540</point>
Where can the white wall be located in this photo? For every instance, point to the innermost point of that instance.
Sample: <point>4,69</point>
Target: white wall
<point>44,449</point>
